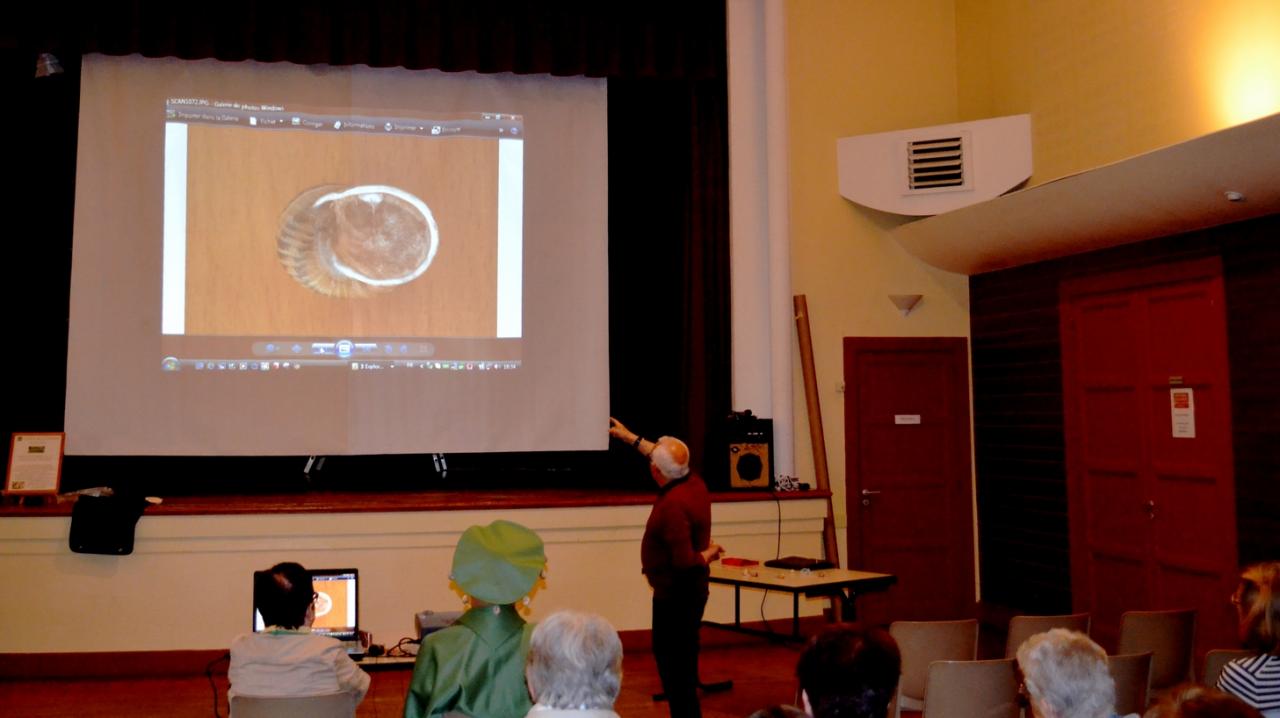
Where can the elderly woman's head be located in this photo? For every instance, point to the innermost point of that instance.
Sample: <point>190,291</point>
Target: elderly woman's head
<point>575,662</point>
<point>1257,601</point>
<point>1066,676</point>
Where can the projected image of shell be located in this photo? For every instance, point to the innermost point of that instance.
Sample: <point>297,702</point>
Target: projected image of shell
<point>356,241</point>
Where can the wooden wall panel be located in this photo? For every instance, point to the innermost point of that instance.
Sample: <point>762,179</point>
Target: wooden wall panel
<point>1251,264</point>
<point>1017,388</point>
<point>1017,381</point>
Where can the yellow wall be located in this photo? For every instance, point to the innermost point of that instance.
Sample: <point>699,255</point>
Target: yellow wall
<point>1102,79</point>
<point>855,68</point>
<point>1108,79</point>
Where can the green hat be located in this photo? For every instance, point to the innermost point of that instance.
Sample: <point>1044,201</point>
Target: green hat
<point>498,563</point>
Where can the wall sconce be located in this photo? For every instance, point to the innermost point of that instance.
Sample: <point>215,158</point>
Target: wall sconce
<point>905,302</point>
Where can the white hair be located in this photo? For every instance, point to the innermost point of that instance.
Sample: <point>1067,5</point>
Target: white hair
<point>1067,674</point>
<point>666,463</point>
<point>574,662</point>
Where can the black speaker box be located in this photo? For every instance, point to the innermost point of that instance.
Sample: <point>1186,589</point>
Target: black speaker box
<point>750,447</point>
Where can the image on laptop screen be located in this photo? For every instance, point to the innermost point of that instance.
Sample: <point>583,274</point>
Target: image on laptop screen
<point>337,609</point>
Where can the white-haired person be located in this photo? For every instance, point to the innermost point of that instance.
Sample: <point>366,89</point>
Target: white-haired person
<point>674,554</point>
<point>1256,679</point>
<point>574,667</point>
<point>1066,676</point>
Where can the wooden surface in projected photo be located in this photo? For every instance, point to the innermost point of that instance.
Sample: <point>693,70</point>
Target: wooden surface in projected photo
<point>240,181</point>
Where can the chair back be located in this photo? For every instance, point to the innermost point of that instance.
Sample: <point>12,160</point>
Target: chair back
<point>332,705</point>
<point>1217,658</point>
<point>971,689</point>
<point>1169,636</point>
<point>922,643</point>
<point>1132,674</point>
<point>1023,627</point>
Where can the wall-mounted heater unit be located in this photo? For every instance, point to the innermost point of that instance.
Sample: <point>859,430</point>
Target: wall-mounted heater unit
<point>931,170</point>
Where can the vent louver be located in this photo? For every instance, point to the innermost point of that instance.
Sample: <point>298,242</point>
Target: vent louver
<point>931,170</point>
<point>936,163</point>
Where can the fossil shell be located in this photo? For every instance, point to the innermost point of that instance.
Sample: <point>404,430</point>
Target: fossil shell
<point>356,241</point>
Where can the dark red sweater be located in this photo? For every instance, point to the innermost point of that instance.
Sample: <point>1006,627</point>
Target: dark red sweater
<point>678,531</point>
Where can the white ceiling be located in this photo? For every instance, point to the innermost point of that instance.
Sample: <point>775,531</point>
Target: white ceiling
<point>1164,192</point>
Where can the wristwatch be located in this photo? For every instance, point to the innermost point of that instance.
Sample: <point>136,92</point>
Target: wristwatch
<point>636,443</point>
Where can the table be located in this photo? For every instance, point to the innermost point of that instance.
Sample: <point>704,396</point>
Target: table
<point>386,663</point>
<point>826,582</point>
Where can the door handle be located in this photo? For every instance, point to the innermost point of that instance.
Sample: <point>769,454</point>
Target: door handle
<point>866,496</point>
<point>1151,508</point>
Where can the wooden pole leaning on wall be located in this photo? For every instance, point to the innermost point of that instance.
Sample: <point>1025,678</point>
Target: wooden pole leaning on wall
<point>816,437</point>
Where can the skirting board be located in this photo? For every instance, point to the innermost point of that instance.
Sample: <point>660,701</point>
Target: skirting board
<point>164,664</point>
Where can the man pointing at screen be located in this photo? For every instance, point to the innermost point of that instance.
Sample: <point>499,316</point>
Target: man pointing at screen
<point>674,554</point>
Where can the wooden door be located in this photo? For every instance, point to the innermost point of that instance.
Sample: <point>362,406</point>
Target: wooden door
<point>1151,488</point>
<point>908,488</point>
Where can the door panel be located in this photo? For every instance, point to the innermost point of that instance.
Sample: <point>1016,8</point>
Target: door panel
<point>1111,432</point>
<point>1183,585</point>
<point>891,450</point>
<point>1152,510</point>
<point>920,572</point>
<point>1113,489</point>
<point>907,446</point>
<point>1114,499</point>
<point>1119,580</point>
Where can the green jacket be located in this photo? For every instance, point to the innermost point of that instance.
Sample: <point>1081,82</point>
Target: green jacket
<point>474,667</point>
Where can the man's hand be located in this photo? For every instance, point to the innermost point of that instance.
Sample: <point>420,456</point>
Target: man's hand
<point>712,552</point>
<point>620,432</point>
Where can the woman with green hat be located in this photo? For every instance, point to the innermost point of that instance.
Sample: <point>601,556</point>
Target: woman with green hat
<point>476,666</point>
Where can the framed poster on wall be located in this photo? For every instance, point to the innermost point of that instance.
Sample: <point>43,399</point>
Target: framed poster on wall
<point>35,464</point>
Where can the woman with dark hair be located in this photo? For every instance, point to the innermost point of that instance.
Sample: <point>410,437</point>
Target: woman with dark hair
<point>849,672</point>
<point>286,660</point>
<point>1256,680</point>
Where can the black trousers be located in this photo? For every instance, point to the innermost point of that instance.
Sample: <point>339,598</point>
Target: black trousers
<point>677,619</point>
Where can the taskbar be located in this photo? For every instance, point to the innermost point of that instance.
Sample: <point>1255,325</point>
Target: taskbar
<point>174,364</point>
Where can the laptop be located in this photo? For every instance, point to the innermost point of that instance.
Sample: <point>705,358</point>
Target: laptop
<point>337,607</point>
<point>799,563</point>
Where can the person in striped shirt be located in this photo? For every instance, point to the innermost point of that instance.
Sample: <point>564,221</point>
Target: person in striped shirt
<point>1256,679</point>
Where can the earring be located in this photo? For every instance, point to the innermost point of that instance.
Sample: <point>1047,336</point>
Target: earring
<point>526,601</point>
<point>497,610</point>
<point>466,602</point>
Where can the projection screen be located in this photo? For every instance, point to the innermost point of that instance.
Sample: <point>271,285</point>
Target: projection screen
<point>271,259</point>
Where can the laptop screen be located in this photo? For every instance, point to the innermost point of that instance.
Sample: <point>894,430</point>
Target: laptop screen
<point>337,603</point>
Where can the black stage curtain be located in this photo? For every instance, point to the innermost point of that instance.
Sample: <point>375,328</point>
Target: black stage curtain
<point>668,206</point>
<point>557,37</point>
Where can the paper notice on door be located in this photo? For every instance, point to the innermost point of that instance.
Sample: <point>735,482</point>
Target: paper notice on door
<point>1182,404</point>
<point>906,418</point>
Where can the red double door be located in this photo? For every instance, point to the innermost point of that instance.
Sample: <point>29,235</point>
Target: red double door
<point>1148,439</point>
